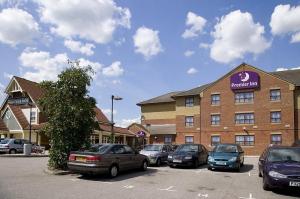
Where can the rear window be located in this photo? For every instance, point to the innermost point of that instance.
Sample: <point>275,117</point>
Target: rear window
<point>187,148</point>
<point>99,148</point>
<point>226,149</point>
<point>284,155</point>
<point>153,148</point>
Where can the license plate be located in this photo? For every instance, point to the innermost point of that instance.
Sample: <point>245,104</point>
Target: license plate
<point>81,159</point>
<point>295,184</point>
<point>221,163</point>
<point>177,161</point>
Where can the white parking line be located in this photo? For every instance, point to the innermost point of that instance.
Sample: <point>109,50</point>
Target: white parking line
<point>203,195</point>
<point>128,187</point>
<point>74,179</point>
<point>168,189</point>
<point>250,197</point>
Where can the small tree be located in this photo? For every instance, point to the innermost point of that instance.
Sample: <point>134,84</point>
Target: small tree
<point>70,112</point>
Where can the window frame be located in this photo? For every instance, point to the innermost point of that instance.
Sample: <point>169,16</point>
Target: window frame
<point>213,101</point>
<point>241,97</point>
<point>33,118</point>
<point>215,122</point>
<point>189,101</point>
<point>213,143</point>
<point>189,136</point>
<point>169,137</point>
<point>245,142</point>
<point>275,120</point>
<point>275,98</point>
<point>244,119</point>
<point>275,142</point>
<point>189,123</point>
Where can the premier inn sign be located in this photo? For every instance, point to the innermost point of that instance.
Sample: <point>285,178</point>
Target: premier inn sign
<point>244,80</point>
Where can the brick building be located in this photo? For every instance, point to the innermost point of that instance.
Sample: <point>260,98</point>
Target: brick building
<point>247,106</point>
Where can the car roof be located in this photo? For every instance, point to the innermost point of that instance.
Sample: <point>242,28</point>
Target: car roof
<point>283,147</point>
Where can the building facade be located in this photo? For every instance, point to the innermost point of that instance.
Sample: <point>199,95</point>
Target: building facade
<point>247,106</point>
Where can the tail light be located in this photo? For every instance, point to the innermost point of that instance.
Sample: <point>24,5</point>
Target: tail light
<point>72,157</point>
<point>93,159</point>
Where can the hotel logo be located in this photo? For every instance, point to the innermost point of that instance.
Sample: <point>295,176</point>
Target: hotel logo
<point>244,80</point>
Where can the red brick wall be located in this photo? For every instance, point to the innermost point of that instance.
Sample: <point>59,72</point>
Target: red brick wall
<point>261,108</point>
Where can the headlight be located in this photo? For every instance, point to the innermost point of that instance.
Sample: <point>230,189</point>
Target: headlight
<point>275,174</point>
<point>233,159</point>
<point>188,157</point>
<point>170,157</point>
<point>210,159</point>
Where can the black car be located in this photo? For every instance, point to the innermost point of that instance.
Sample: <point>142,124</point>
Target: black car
<point>188,155</point>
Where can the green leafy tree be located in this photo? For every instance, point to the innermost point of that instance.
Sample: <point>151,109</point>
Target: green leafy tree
<point>70,112</point>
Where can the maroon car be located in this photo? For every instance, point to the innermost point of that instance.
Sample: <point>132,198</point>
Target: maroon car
<point>280,167</point>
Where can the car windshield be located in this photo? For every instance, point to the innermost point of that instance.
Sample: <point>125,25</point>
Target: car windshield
<point>153,148</point>
<point>225,149</point>
<point>284,155</point>
<point>187,148</point>
<point>99,148</point>
<point>4,141</point>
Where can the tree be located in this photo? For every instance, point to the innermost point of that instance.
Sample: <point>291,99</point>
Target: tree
<point>70,113</point>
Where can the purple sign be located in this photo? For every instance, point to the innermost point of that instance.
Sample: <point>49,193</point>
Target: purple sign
<point>141,134</point>
<point>244,80</point>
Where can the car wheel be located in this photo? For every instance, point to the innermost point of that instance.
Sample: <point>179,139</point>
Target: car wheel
<point>238,168</point>
<point>158,162</point>
<point>113,171</point>
<point>171,166</point>
<point>196,163</point>
<point>144,166</point>
<point>265,184</point>
<point>12,151</point>
<point>259,174</point>
<point>209,168</point>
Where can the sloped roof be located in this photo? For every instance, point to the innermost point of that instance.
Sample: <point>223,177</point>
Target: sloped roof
<point>100,115</point>
<point>32,88</point>
<point>191,92</point>
<point>120,130</point>
<point>163,129</point>
<point>17,111</point>
<point>161,99</point>
<point>2,126</point>
<point>292,76</point>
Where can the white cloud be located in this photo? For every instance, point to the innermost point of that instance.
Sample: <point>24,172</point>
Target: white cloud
<point>235,35</point>
<point>107,112</point>
<point>285,20</point>
<point>77,46</point>
<point>96,66</point>
<point>41,65</point>
<point>17,26</point>
<point>114,70</point>
<point>195,23</point>
<point>189,53</point>
<point>116,81</point>
<point>7,75</point>
<point>204,45</point>
<point>284,69</point>
<point>2,94</point>
<point>126,122</point>
<point>94,20</point>
<point>192,71</point>
<point>147,42</point>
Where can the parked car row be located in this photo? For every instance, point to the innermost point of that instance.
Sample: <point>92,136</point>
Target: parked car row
<point>13,146</point>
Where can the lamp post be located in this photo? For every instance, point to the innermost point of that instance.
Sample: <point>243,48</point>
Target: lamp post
<point>30,104</point>
<point>112,116</point>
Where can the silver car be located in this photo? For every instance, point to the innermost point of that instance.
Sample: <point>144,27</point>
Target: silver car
<point>157,153</point>
<point>12,145</point>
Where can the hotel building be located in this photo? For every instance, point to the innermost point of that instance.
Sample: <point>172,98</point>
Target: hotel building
<point>248,106</point>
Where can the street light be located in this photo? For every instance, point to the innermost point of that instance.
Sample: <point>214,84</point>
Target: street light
<point>112,116</point>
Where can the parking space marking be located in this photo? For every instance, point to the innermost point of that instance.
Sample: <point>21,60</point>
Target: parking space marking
<point>250,197</point>
<point>203,195</point>
<point>128,186</point>
<point>168,189</point>
<point>106,182</point>
<point>74,179</point>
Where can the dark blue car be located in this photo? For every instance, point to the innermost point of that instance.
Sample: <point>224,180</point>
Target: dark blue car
<point>280,167</point>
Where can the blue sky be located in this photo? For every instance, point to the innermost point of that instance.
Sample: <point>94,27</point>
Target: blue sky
<point>141,49</point>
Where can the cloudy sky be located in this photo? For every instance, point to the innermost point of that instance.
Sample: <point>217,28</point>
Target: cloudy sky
<point>141,49</point>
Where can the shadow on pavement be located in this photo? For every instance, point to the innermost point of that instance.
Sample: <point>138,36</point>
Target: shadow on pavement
<point>245,169</point>
<point>122,176</point>
<point>289,192</point>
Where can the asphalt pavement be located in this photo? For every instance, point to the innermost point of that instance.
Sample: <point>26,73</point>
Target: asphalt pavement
<point>24,178</point>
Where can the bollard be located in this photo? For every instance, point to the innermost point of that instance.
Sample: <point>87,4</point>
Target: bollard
<point>27,149</point>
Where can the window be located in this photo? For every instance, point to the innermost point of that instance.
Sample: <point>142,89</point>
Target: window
<point>245,97</point>
<point>119,149</point>
<point>128,149</point>
<point>33,116</point>
<point>215,99</point>
<point>276,139</point>
<point>215,119</point>
<point>189,121</point>
<point>275,117</point>
<point>168,139</point>
<point>105,139</point>
<point>215,140</point>
<point>275,95</point>
<point>244,140</point>
<point>189,101</point>
<point>244,118</point>
<point>189,139</point>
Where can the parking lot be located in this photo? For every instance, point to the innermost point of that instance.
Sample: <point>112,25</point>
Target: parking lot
<point>25,178</point>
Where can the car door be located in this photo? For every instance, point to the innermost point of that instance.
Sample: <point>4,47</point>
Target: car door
<point>120,157</point>
<point>134,161</point>
<point>18,145</point>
